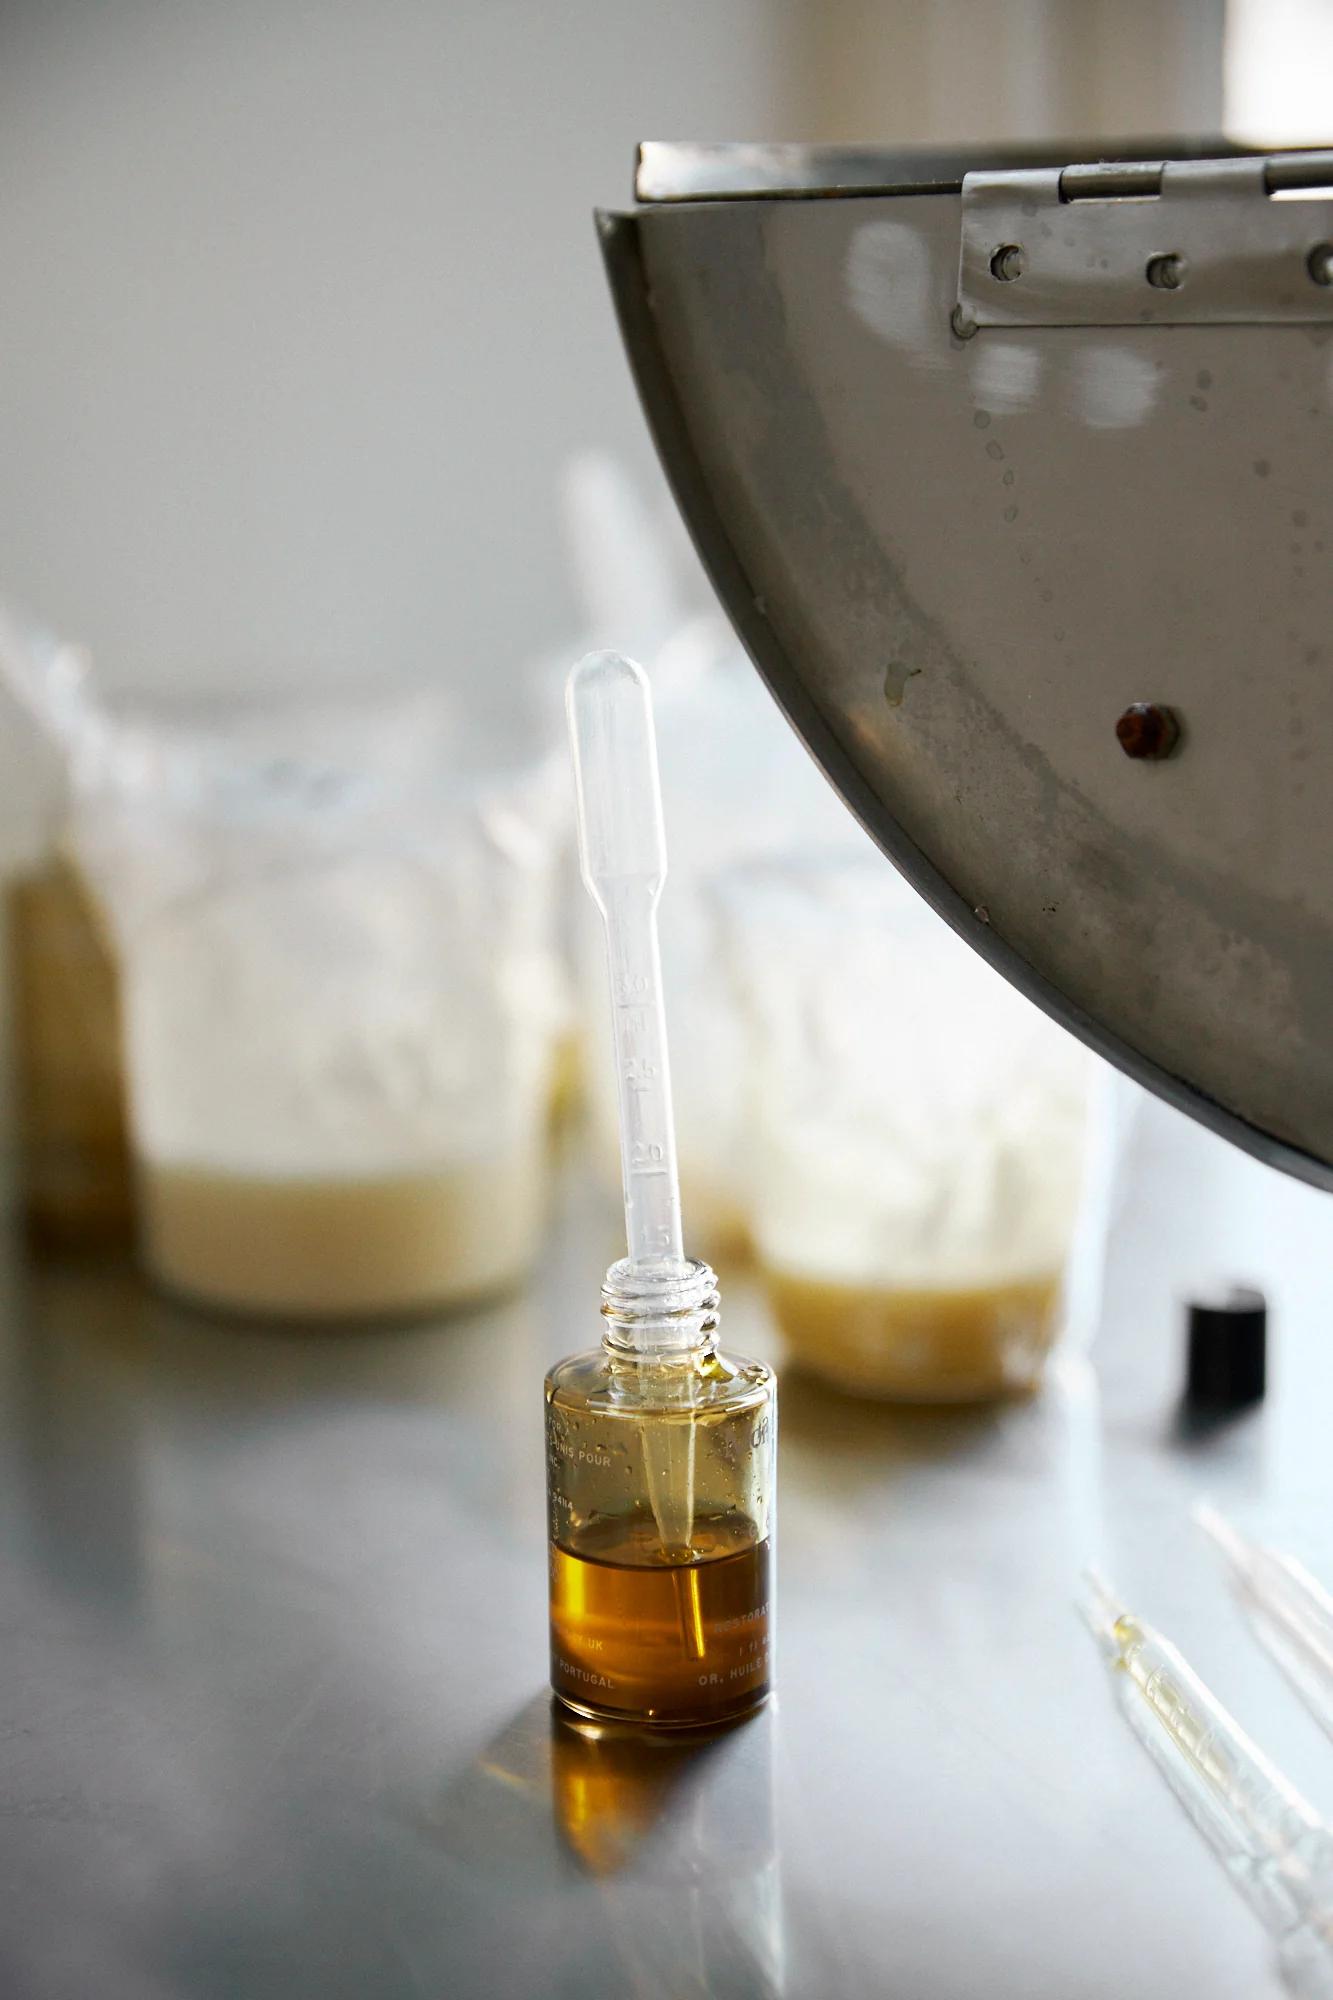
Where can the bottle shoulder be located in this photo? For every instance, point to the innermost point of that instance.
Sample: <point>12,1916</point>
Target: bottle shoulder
<point>712,1382</point>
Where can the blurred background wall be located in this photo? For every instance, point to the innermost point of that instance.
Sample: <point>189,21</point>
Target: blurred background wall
<point>1029,69</point>
<point>301,308</point>
<point>302,311</point>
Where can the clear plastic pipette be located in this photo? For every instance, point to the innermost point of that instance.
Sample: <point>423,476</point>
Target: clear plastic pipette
<point>1291,1612</point>
<point>622,853</point>
<point>1273,1845</point>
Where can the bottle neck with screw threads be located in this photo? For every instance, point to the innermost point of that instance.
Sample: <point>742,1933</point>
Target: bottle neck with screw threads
<point>660,1316</point>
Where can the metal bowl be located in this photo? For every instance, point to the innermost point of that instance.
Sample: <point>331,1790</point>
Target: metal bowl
<point>1016,484</point>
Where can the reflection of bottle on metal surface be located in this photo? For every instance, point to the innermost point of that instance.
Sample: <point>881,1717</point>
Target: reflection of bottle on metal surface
<point>660,1449</point>
<point>613,1783</point>
<point>684,1823</point>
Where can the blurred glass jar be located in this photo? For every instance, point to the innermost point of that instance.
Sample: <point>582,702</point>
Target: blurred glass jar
<point>339,997</point>
<point>916,1133</point>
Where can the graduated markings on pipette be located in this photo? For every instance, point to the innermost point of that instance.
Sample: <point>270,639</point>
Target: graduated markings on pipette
<point>639,1071</point>
<point>634,1016</point>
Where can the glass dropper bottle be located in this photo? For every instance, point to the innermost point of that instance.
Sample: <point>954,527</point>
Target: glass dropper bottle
<point>660,1449</point>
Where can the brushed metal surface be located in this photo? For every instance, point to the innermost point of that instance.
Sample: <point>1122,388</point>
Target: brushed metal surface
<point>958,562</point>
<point>273,1716</point>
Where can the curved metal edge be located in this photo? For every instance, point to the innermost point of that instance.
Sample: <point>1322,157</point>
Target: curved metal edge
<point>620,243</point>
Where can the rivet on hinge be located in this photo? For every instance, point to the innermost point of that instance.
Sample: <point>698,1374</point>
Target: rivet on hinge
<point>1167,271</point>
<point>1008,262</point>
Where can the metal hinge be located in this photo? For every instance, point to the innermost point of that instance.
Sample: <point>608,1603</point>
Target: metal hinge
<point>1174,243</point>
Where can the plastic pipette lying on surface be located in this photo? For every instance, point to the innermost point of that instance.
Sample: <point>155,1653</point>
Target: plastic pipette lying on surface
<point>1290,1611</point>
<point>1273,1845</point>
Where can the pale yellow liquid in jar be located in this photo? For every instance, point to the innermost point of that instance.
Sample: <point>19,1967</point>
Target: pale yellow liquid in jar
<point>945,1345</point>
<point>339,1248</point>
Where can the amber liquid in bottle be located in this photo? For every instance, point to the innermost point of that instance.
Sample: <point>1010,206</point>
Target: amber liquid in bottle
<point>660,1490</point>
<point>678,1642</point>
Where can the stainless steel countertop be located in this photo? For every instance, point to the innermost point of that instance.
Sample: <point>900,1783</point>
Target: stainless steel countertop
<point>273,1705</point>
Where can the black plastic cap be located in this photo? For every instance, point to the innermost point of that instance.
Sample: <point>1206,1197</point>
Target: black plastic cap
<point>1228,1350</point>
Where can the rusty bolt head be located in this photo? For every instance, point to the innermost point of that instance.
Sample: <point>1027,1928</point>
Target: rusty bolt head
<point>1146,729</point>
